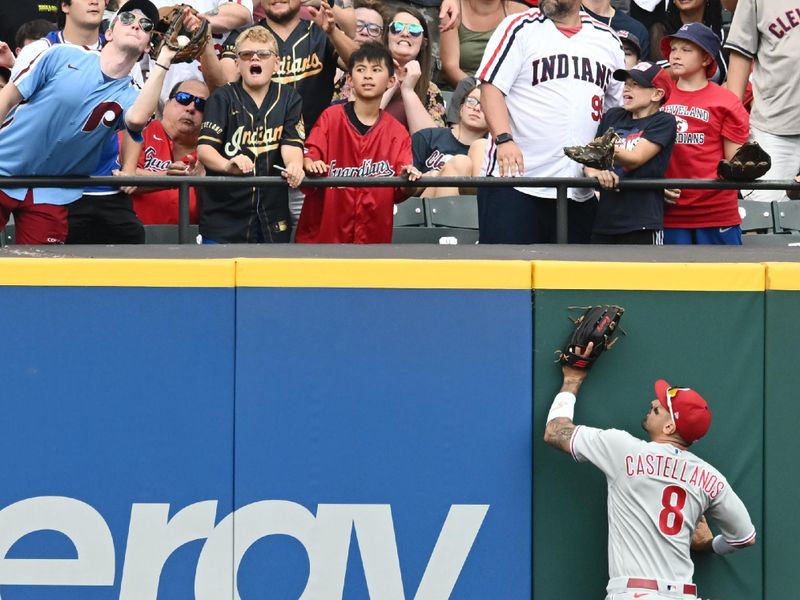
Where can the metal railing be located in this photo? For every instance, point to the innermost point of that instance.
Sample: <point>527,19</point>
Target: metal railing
<point>561,184</point>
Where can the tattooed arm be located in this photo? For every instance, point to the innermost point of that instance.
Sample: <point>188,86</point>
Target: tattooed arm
<point>559,428</point>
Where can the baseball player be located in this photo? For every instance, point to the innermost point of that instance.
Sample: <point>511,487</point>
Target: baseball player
<point>74,101</point>
<point>766,37</point>
<point>658,491</point>
<point>547,80</point>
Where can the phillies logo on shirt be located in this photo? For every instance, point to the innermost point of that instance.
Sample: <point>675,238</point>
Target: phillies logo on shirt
<point>368,168</point>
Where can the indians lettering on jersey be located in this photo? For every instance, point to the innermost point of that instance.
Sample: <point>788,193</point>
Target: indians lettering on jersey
<point>367,168</point>
<point>563,66</point>
<point>294,69</point>
<point>683,135</point>
<point>258,141</point>
<point>668,467</point>
<point>785,23</point>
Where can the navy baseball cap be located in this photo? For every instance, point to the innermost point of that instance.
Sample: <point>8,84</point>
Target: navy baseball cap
<point>648,75</point>
<point>148,9</point>
<point>628,38</point>
<point>699,34</point>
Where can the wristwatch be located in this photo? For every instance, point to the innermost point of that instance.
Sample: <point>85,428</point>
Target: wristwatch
<point>503,138</point>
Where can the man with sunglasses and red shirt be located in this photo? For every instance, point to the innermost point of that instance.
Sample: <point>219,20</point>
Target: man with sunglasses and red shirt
<point>170,148</point>
<point>658,491</point>
<point>89,96</point>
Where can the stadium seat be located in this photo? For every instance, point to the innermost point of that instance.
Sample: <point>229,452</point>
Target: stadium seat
<point>434,235</point>
<point>453,211</point>
<point>756,216</point>
<point>7,235</point>
<point>787,216</point>
<point>410,213</point>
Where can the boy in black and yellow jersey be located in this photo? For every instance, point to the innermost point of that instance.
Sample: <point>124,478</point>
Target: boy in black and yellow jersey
<point>250,127</point>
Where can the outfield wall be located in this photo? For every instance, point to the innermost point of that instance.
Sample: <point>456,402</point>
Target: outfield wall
<point>363,428</point>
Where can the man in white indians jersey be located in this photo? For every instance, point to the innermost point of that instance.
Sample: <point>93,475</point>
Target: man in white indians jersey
<point>546,81</point>
<point>658,491</point>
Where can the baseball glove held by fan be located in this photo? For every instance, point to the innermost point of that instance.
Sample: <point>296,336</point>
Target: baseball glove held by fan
<point>748,163</point>
<point>597,154</point>
<point>599,324</point>
<point>172,32</point>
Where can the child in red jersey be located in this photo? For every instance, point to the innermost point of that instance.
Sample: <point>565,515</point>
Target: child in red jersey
<point>712,125</point>
<point>357,139</point>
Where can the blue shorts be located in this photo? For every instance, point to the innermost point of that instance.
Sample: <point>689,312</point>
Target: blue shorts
<point>508,216</point>
<point>722,236</point>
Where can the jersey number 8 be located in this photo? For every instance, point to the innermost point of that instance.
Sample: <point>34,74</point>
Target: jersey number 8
<point>673,500</point>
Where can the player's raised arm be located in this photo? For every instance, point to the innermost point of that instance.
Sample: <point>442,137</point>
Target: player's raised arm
<point>559,428</point>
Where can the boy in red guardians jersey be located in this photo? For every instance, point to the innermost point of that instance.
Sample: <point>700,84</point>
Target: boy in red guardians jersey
<point>357,139</point>
<point>712,125</point>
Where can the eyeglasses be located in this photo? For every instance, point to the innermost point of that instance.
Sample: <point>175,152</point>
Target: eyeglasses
<point>372,29</point>
<point>128,18</point>
<point>185,98</point>
<point>414,30</point>
<point>472,102</point>
<point>262,53</point>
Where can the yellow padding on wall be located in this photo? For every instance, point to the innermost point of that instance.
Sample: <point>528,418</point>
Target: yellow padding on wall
<point>783,276</point>
<point>699,277</point>
<point>384,273</point>
<point>102,272</point>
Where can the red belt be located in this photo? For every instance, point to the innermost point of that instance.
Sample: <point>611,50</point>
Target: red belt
<point>652,584</point>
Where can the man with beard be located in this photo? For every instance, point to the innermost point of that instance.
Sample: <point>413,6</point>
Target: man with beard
<point>658,491</point>
<point>307,53</point>
<point>546,77</point>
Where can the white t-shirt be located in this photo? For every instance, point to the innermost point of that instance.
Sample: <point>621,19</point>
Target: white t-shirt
<point>556,89</point>
<point>656,495</point>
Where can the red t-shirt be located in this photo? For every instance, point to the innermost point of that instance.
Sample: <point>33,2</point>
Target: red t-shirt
<point>704,118</point>
<point>353,215</point>
<point>160,207</point>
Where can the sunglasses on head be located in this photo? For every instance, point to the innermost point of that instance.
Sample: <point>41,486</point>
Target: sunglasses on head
<point>185,98</point>
<point>414,30</point>
<point>262,53</point>
<point>372,29</point>
<point>128,18</point>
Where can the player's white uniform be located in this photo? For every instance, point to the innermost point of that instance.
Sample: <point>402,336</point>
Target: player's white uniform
<point>556,89</point>
<point>656,495</point>
<point>183,71</point>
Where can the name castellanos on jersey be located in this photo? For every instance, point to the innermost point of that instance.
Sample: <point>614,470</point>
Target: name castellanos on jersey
<point>564,66</point>
<point>155,532</point>
<point>643,465</point>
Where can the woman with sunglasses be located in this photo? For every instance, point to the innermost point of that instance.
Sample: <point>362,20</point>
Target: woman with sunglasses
<point>462,48</point>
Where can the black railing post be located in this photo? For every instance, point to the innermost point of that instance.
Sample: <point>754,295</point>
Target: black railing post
<point>183,214</point>
<point>561,213</point>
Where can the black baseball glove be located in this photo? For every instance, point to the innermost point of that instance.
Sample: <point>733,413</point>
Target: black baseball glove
<point>171,31</point>
<point>749,163</point>
<point>599,325</point>
<point>598,154</point>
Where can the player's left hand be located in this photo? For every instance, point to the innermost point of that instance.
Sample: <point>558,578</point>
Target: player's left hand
<point>702,536</point>
<point>412,74</point>
<point>572,372</point>
<point>6,56</point>
<point>323,16</point>
<point>410,172</point>
<point>448,15</point>
<point>293,174</point>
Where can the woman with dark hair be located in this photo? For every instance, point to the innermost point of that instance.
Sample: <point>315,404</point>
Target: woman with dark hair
<point>414,100</point>
<point>681,12</point>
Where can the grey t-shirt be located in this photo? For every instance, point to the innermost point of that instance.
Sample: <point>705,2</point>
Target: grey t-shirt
<point>768,31</point>
<point>656,494</point>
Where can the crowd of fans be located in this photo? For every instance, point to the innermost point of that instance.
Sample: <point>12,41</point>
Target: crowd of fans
<point>303,88</point>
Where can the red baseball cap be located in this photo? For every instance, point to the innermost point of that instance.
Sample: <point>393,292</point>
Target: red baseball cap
<point>689,410</point>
